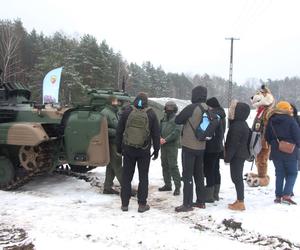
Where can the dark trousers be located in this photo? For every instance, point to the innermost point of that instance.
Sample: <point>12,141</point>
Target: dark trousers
<point>212,169</point>
<point>192,166</point>
<point>142,158</point>
<point>236,172</point>
<point>286,175</point>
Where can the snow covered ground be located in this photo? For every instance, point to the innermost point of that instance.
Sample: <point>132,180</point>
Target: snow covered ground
<point>62,212</point>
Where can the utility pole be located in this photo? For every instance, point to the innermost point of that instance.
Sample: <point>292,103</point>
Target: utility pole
<point>230,69</point>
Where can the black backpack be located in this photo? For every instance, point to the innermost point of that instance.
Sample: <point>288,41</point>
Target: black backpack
<point>207,125</point>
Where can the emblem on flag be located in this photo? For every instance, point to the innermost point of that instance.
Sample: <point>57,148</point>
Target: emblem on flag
<point>51,86</point>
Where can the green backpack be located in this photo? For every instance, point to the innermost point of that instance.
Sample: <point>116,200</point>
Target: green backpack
<point>136,133</point>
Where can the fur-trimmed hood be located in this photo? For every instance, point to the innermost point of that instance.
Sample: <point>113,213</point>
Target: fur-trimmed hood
<point>238,111</point>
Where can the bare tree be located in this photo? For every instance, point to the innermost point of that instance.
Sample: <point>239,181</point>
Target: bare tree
<point>9,50</point>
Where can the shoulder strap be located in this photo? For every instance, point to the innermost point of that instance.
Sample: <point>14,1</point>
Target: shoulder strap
<point>201,107</point>
<point>274,132</point>
<point>194,130</point>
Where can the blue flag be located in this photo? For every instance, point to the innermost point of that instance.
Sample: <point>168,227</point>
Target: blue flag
<point>51,86</point>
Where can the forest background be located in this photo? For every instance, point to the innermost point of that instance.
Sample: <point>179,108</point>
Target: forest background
<point>27,56</point>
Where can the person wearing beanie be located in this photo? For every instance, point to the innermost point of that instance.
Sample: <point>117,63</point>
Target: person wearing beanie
<point>114,168</point>
<point>192,151</point>
<point>284,106</point>
<point>141,101</point>
<point>283,126</point>
<point>236,149</point>
<point>213,102</point>
<point>137,127</point>
<point>213,151</point>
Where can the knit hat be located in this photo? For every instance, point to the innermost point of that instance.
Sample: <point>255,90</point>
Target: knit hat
<point>141,100</point>
<point>199,94</point>
<point>283,105</point>
<point>213,102</point>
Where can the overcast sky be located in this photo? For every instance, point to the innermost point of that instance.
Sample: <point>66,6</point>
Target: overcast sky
<point>182,36</point>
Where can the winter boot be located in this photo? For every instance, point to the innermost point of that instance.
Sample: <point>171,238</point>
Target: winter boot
<point>237,206</point>
<point>143,208</point>
<point>183,208</point>
<point>209,194</point>
<point>199,205</point>
<point>286,199</point>
<point>124,208</point>
<point>176,191</point>
<point>133,192</point>
<point>216,192</point>
<point>165,188</point>
<point>277,199</point>
<point>111,191</point>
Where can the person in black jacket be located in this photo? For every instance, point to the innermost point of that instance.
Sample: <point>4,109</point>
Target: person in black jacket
<point>295,114</point>
<point>213,151</point>
<point>236,148</point>
<point>192,151</point>
<point>282,126</point>
<point>297,118</point>
<point>139,155</point>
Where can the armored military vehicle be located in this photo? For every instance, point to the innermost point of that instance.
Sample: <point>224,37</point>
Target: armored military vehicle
<point>36,138</point>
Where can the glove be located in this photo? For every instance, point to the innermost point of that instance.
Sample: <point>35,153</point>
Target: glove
<point>155,155</point>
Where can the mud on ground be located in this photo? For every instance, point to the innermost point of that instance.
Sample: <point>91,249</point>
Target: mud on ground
<point>14,238</point>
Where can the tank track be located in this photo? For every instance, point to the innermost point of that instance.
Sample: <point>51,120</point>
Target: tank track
<point>87,177</point>
<point>47,164</point>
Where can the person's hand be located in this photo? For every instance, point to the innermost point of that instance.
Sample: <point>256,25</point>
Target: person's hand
<point>155,155</point>
<point>162,141</point>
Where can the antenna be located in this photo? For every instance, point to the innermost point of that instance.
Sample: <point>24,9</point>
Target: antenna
<point>230,69</point>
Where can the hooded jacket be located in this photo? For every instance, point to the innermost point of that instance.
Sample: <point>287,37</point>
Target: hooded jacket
<point>192,114</point>
<point>287,129</point>
<point>215,145</point>
<point>236,144</point>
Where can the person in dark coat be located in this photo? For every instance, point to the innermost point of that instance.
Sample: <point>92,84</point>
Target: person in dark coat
<point>192,151</point>
<point>295,114</point>
<point>169,140</point>
<point>297,118</point>
<point>236,148</point>
<point>213,151</point>
<point>282,126</point>
<point>133,155</point>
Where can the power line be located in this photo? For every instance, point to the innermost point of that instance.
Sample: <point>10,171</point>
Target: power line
<point>230,69</point>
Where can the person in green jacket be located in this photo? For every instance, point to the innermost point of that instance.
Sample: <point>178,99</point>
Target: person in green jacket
<point>170,134</point>
<point>114,168</point>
